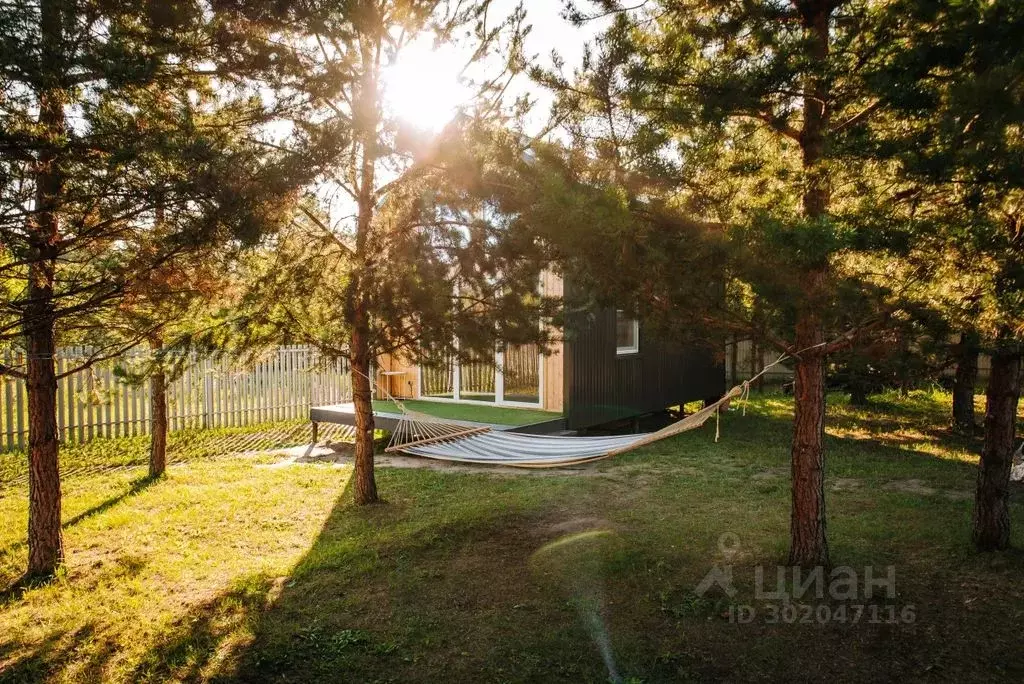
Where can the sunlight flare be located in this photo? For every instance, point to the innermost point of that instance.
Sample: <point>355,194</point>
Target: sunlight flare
<point>424,87</point>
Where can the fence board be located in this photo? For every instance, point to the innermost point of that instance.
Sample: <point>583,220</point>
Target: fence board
<point>19,393</point>
<point>9,388</point>
<point>214,393</point>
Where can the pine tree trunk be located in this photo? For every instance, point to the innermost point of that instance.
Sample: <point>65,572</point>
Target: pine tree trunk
<point>158,423</point>
<point>991,530</point>
<point>365,485</point>
<point>45,542</point>
<point>808,542</point>
<point>366,108</point>
<point>964,382</point>
<point>158,393</point>
<point>858,393</point>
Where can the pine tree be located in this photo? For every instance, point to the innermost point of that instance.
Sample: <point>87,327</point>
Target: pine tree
<point>110,111</point>
<point>957,86</point>
<point>735,132</point>
<point>421,262</point>
<point>965,380</point>
<point>171,314</point>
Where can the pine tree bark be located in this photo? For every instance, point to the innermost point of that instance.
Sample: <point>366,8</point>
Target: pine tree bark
<point>365,484</point>
<point>366,109</point>
<point>158,422</point>
<point>808,542</point>
<point>991,521</point>
<point>45,542</point>
<point>964,382</point>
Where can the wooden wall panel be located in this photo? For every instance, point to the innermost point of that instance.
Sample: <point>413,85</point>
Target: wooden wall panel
<point>602,386</point>
<point>553,379</point>
<point>397,385</point>
<point>554,360</point>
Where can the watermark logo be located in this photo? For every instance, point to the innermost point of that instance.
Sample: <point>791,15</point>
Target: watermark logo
<point>783,594</point>
<point>721,575</point>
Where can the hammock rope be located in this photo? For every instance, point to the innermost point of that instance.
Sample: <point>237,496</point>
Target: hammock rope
<point>420,434</point>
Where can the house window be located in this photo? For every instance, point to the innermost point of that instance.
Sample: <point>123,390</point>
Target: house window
<point>627,334</point>
<point>512,376</point>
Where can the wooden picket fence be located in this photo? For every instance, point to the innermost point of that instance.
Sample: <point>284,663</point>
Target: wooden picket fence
<point>210,393</point>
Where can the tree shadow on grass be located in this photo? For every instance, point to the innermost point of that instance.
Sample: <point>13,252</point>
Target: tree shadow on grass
<point>15,590</point>
<point>205,640</point>
<point>198,641</point>
<point>912,440</point>
<point>406,592</point>
<point>57,653</point>
<point>439,595</point>
<point>442,584</point>
<point>887,417</point>
<point>393,592</point>
<point>189,646</point>
<point>137,486</point>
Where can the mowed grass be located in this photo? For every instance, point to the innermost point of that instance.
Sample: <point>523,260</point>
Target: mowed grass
<point>240,569</point>
<point>184,445</point>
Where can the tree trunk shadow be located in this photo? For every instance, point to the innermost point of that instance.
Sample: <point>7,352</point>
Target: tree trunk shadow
<point>24,582</point>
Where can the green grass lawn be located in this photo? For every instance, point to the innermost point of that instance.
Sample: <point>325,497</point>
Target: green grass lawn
<point>103,454</point>
<point>243,569</point>
<point>473,412</point>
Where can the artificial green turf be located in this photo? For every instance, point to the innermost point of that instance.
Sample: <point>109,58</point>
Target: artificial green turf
<point>231,570</point>
<point>501,415</point>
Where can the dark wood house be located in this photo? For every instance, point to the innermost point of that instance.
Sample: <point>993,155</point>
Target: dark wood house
<point>605,369</point>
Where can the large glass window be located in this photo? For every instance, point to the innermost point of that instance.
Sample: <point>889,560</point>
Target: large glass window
<point>627,334</point>
<point>511,376</point>
<point>476,380</point>
<point>437,378</point>
<point>520,369</point>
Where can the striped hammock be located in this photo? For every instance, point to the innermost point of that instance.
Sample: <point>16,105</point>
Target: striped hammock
<point>419,434</point>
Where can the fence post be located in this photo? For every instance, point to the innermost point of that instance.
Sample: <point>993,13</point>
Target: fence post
<point>10,387</point>
<point>207,394</point>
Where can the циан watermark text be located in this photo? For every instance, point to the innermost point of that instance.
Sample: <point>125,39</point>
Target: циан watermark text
<point>793,595</point>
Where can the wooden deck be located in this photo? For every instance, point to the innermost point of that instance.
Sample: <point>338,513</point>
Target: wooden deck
<point>345,414</point>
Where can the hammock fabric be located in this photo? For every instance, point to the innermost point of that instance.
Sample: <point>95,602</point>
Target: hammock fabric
<point>419,434</point>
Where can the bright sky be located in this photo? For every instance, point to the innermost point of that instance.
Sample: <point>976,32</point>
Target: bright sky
<point>424,88</point>
<point>552,32</point>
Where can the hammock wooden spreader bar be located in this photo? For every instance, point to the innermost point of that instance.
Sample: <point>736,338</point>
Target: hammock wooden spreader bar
<point>438,438</point>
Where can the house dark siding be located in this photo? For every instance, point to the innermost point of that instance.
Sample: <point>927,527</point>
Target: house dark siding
<point>601,386</point>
